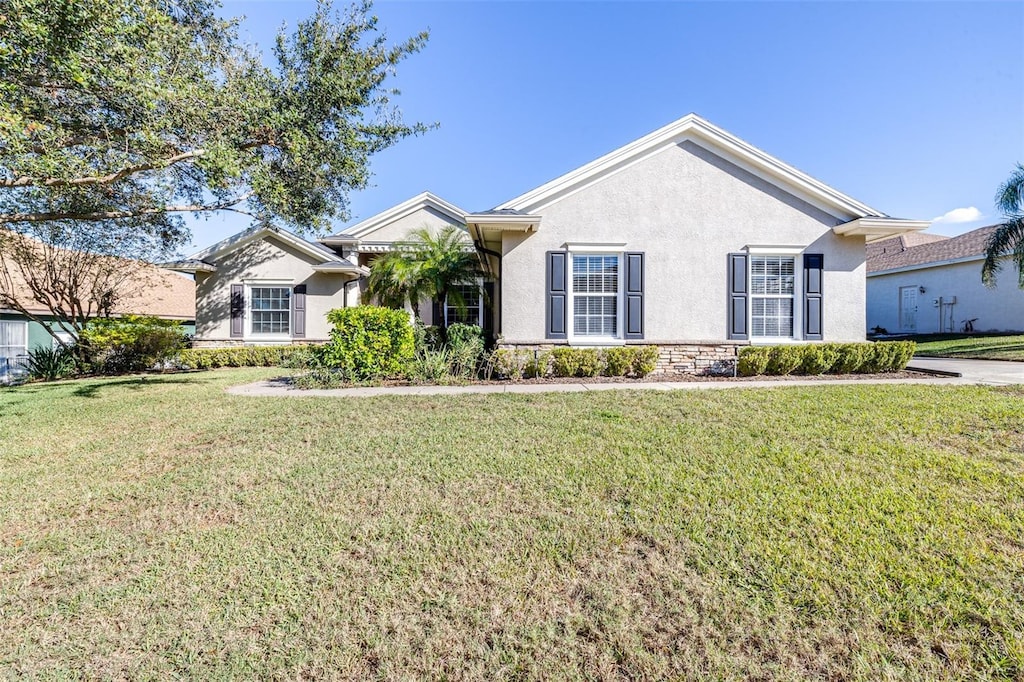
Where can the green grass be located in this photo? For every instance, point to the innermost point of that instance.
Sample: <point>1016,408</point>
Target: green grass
<point>159,528</point>
<point>989,347</point>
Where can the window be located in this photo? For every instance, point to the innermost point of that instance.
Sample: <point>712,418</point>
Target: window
<point>67,338</point>
<point>471,312</point>
<point>772,293</point>
<point>595,295</point>
<point>13,338</point>
<point>271,310</point>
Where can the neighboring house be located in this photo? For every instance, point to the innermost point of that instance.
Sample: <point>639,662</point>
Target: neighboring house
<point>156,292</point>
<point>923,284</point>
<point>688,238</point>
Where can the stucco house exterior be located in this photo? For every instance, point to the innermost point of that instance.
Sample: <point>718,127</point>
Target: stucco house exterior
<point>923,284</point>
<point>688,238</point>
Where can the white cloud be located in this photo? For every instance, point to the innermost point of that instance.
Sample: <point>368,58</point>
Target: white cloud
<point>959,215</point>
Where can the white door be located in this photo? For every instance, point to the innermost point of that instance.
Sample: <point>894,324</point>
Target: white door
<point>908,309</point>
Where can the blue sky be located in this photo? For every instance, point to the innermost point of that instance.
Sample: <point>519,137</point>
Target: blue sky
<point>914,108</point>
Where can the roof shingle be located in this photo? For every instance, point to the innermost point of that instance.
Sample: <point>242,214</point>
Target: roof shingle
<point>922,249</point>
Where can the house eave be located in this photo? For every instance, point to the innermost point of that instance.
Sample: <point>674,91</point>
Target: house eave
<point>188,266</point>
<point>874,228</point>
<point>487,228</point>
<point>346,269</point>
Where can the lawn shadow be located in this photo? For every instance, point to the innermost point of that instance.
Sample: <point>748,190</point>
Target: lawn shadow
<point>135,383</point>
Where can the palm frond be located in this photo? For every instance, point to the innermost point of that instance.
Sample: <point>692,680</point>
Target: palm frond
<point>1010,197</point>
<point>1007,239</point>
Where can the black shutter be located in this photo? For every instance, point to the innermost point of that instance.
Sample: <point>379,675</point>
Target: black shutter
<point>634,290</point>
<point>237,311</point>
<point>556,307</point>
<point>813,275</point>
<point>299,311</point>
<point>738,297</point>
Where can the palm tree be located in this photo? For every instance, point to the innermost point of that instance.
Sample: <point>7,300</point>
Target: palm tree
<point>446,261</point>
<point>1008,236</point>
<point>424,265</point>
<point>395,280</point>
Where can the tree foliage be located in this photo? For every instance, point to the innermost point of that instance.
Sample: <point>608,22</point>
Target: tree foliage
<point>1008,237</point>
<point>133,113</point>
<point>425,265</point>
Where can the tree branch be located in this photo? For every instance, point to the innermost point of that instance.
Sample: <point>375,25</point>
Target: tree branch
<point>28,181</point>
<point>117,215</point>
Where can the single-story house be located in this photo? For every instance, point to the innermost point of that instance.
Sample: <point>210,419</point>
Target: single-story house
<point>925,283</point>
<point>152,291</point>
<point>688,238</point>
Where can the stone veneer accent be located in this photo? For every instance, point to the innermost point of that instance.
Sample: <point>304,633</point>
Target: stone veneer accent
<point>697,357</point>
<point>233,343</point>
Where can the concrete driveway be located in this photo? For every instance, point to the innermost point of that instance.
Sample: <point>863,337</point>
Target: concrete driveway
<point>994,372</point>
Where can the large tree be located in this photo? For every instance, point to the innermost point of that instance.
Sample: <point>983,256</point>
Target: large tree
<point>133,113</point>
<point>1008,237</point>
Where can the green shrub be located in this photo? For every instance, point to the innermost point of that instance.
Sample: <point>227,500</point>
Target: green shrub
<point>431,367</point>
<point>576,362</point>
<point>783,360</point>
<point>753,360</point>
<point>132,343</point>
<point>245,356</point>
<point>904,354</point>
<point>645,360</point>
<point>369,342</point>
<point>849,357</point>
<point>817,358</point>
<point>510,363</point>
<point>465,350</point>
<point>837,358</point>
<point>49,364</point>
<point>887,356</point>
<point>618,362</point>
<point>427,336</point>
<point>538,364</point>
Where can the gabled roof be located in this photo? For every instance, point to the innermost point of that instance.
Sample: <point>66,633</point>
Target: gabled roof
<point>701,132</point>
<point>408,207</point>
<point>966,247</point>
<point>237,241</point>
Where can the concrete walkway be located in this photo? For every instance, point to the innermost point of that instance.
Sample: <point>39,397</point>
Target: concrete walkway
<point>990,372</point>
<point>279,388</point>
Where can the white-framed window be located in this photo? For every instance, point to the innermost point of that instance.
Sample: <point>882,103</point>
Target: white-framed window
<point>472,310</point>
<point>595,292</point>
<point>67,338</point>
<point>772,296</point>
<point>13,338</point>
<point>270,310</point>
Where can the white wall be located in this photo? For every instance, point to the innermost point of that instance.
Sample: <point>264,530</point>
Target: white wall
<point>999,309</point>
<point>686,208</point>
<point>266,258</point>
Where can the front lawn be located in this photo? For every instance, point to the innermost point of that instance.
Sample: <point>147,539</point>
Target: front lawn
<point>992,347</point>
<point>157,527</point>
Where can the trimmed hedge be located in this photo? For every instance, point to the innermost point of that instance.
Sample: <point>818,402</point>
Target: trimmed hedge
<point>239,356</point>
<point>563,362</point>
<point>819,358</point>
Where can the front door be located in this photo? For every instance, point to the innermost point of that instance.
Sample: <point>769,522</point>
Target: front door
<point>908,309</point>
